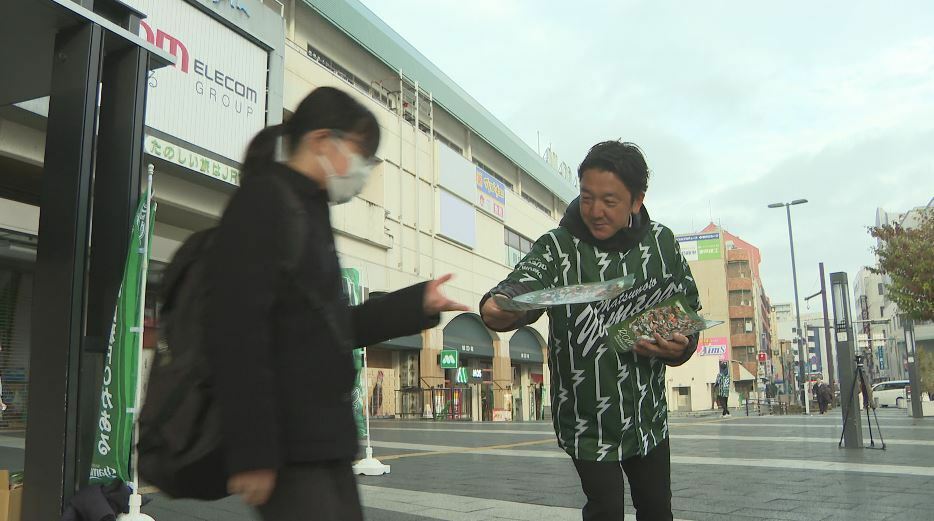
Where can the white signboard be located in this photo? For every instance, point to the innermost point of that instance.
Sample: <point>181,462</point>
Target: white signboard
<point>215,96</point>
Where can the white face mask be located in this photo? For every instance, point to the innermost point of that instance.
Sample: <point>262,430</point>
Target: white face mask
<point>342,188</point>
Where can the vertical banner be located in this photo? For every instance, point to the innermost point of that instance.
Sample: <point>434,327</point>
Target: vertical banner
<point>354,291</point>
<point>113,443</point>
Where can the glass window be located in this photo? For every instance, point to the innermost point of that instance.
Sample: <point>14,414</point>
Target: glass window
<point>525,246</point>
<point>881,288</point>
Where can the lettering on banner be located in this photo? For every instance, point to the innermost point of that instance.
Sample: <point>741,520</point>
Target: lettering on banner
<point>594,319</point>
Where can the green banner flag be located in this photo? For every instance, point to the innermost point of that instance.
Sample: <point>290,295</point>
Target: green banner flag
<point>113,443</point>
<point>354,291</point>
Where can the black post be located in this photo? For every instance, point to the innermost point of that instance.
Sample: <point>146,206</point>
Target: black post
<point>849,404</point>
<point>914,378</point>
<point>117,188</point>
<point>827,336</point>
<point>59,288</point>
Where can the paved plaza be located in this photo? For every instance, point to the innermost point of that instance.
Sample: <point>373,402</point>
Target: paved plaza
<point>739,468</point>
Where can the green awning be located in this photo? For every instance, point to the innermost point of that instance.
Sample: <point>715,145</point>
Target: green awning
<point>525,347</point>
<point>403,343</point>
<point>467,334</point>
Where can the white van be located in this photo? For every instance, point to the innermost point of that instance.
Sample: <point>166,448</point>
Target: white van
<point>891,393</point>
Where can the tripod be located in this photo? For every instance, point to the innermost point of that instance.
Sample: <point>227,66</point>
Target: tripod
<point>858,376</point>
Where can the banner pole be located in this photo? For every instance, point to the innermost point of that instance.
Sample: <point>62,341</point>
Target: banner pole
<point>136,500</point>
<point>368,466</point>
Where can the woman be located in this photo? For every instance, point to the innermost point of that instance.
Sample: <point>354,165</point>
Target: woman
<point>279,330</point>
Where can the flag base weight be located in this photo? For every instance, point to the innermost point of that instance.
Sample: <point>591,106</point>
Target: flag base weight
<point>136,501</point>
<point>370,466</point>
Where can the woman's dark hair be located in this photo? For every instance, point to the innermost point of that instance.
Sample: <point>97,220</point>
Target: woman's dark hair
<point>324,108</point>
<point>623,159</point>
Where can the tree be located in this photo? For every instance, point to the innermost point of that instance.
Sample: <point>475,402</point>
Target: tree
<point>906,256</point>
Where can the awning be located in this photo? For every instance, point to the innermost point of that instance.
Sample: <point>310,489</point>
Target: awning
<point>467,334</point>
<point>403,343</point>
<point>524,347</point>
<point>741,374</point>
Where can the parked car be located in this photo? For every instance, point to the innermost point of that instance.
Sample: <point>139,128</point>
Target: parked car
<point>891,394</point>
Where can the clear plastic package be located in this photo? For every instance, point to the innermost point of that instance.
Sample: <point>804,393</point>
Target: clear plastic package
<point>670,316</point>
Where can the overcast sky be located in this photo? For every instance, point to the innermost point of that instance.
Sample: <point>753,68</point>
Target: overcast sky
<point>736,105</point>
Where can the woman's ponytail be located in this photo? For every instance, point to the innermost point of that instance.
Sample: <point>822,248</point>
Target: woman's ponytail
<point>262,149</point>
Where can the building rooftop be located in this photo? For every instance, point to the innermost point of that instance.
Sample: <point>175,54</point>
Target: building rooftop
<point>363,26</point>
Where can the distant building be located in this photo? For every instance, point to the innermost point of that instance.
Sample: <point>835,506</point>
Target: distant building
<point>726,269</point>
<point>880,331</point>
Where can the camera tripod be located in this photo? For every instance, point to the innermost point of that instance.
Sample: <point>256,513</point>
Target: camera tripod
<point>859,377</point>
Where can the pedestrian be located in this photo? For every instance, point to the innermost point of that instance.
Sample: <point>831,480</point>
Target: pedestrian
<point>280,339</point>
<point>609,409</point>
<point>824,396</point>
<point>723,387</point>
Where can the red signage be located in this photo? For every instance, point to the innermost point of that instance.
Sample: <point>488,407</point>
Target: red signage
<point>762,357</point>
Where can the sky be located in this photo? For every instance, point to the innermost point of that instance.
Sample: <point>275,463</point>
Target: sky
<point>735,104</point>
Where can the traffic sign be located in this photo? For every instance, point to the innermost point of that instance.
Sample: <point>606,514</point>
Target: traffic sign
<point>449,359</point>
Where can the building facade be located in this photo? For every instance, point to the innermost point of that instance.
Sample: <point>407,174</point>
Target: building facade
<point>881,332</point>
<point>726,270</point>
<point>456,192</point>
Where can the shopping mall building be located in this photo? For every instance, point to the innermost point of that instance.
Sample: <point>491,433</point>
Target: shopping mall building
<point>456,192</point>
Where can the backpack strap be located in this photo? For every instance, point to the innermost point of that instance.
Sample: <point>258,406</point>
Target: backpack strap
<point>297,226</point>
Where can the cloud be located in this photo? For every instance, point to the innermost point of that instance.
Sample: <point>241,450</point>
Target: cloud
<point>736,105</point>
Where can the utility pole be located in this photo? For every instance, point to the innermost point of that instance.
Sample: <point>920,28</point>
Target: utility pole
<point>827,335</point>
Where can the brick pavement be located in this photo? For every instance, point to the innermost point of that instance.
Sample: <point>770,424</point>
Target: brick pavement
<point>757,468</point>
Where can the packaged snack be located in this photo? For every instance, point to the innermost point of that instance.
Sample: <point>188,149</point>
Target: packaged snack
<point>560,296</point>
<point>668,317</point>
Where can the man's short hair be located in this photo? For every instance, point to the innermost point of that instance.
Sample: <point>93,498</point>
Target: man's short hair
<point>624,159</point>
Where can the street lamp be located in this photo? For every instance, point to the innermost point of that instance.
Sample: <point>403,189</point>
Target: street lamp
<point>794,278</point>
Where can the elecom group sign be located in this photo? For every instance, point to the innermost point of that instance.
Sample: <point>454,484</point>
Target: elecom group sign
<point>215,96</point>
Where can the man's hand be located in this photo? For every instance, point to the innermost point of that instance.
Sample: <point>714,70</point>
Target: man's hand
<point>496,318</point>
<point>661,348</point>
<point>436,302</point>
<point>254,486</point>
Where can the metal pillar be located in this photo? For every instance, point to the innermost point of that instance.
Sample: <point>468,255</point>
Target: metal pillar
<point>117,186</point>
<point>849,399</point>
<point>60,289</point>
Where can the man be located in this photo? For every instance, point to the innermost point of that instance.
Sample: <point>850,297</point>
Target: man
<point>608,407</point>
<point>723,387</point>
<point>824,396</point>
